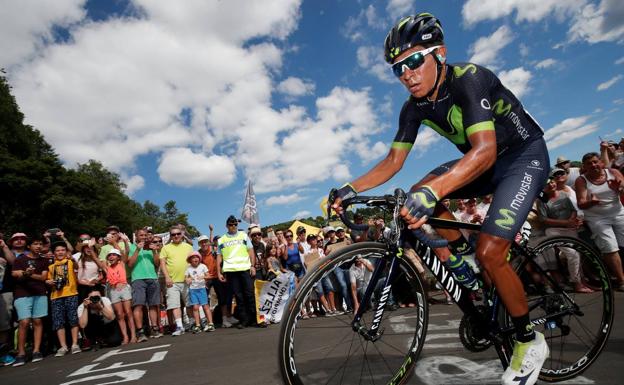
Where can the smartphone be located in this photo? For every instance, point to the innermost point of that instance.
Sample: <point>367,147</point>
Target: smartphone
<point>54,230</point>
<point>271,234</point>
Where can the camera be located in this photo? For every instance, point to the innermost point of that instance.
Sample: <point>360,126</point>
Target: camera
<point>59,283</point>
<point>30,264</point>
<point>95,298</point>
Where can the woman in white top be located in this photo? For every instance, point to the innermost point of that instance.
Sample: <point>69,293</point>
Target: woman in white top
<point>598,193</point>
<point>90,270</point>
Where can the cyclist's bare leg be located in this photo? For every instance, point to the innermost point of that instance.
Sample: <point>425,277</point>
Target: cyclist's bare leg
<point>491,253</point>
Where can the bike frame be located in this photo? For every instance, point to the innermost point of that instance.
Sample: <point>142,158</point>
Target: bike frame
<point>459,294</point>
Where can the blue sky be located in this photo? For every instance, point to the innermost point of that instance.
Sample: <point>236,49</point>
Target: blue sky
<point>187,100</point>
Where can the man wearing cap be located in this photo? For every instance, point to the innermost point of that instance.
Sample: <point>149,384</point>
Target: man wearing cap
<point>144,260</point>
<point>173,265</point>
<point>573,172</point>
<point>235,251</point>
<point>113,239</point>
<point>259,249</point>
<point>471,215</point>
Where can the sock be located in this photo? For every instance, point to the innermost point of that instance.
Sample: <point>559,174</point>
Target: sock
<point>524,328</point>
<point>178,322</point>
<point>460,246</point>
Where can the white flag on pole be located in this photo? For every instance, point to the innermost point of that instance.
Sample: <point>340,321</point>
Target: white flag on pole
<point>250,210</point>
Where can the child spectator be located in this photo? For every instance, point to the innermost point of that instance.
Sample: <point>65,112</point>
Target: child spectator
<point>90,269</point>
<point>274,266</point>
<point>30,273</point>
<point>63,281</point>
<point>120,294</point>
<point>195,276</point>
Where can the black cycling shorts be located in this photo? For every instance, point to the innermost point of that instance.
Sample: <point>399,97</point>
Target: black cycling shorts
<point>516,179</point>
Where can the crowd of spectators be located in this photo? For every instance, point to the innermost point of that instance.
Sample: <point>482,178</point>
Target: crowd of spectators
<point>63,298</point>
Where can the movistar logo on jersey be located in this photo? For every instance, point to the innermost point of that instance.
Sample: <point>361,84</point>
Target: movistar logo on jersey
<point>455,130</point>
<point>461,71</point>
<point>500,108</point>
<point>507,219</point>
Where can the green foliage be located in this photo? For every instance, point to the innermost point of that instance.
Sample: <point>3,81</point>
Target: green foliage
<point>37,192</point>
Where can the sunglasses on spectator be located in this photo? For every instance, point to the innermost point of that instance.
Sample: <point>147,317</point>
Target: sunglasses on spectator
<point>175,234</point>
<point>412,61</point>
<point>558,174</point>
<point>159,241</point>
<point>256,235</point>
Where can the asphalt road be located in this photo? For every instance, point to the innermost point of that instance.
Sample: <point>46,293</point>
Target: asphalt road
<point>249,356</point>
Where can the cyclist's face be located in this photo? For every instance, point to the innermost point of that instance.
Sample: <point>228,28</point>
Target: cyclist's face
<point>419,81</point>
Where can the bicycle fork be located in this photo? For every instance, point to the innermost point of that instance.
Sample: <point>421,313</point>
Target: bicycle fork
<point>374,333</point>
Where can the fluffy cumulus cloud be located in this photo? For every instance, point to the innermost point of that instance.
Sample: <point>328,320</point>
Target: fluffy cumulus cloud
<point>569,130</point>
<point>295,87</point>
<point>28,24</point>
<point>546,63</point>
<point>399,8</point>
<point>370,58</point>
<point>182,167</point>
<point>475,11</point>
<point>130,86</point>
<point>599,22</point>
<point>485,50</point>
<point>620,60</point>
<point>609,83</point>
<point>283,199</point>
<point>355,25</point>
<point>517,80</point>
<point>302,214</point>
<point>590,21</point>
<point>134,184</point>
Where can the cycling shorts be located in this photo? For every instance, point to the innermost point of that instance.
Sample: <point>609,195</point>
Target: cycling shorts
<point>516,179</point>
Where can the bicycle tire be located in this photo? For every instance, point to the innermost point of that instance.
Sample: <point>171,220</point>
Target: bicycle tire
<point>312,350</point>
<point>582,335</point>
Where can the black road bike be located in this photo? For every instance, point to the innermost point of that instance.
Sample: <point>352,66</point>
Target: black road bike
<point>380,344</point>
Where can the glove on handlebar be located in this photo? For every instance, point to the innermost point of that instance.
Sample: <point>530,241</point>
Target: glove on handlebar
<point>345,192</point>
<point>421,202</point>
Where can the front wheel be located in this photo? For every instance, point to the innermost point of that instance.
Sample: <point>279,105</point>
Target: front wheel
<point>576,325</point>
<point>326,349</point>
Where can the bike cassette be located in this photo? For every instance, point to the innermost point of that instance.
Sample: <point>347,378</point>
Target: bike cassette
<point>471,333</point>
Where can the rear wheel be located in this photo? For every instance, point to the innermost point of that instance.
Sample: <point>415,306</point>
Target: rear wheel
<point>577,335</point>
<point>326,350</point>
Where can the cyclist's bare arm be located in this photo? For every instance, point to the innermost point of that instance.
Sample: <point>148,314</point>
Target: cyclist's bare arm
<point>381,173</point>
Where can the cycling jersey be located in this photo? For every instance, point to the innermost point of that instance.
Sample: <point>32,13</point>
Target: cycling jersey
<point>471,99</point>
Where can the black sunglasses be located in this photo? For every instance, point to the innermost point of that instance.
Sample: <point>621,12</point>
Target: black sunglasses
<point>174,234</point>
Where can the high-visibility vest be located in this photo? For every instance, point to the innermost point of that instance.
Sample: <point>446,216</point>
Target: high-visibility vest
<point>235,252</point>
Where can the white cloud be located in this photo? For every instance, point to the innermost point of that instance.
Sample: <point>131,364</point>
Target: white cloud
<point>619,101</point>
<point>485,50</point>
<point>609,83</point>
<point>134,184</point>
<point>400,8</point>
<point>302,214</point>
<point>295,87</point>
<point>620,60</point>
<point>546,63</point>
<point>516,80</point>
<point>283,199</point>
<point>426,138</point>
<point>591,22</point>
<point>26,25</point>
<point>182,167</point>
<point>475,11</point>
<point>599,23</point>
<point>355,25</point>
<point>569,130</point>
<point>370,58</point>
<point>131,87</point>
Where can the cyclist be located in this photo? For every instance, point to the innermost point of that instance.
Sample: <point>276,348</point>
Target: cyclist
<point>503,153</point>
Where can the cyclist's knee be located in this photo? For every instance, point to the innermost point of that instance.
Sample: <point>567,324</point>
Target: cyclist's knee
<point>492,252</point>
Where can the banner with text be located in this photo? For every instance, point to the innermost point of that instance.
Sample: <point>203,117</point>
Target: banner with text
<point>272,297</point>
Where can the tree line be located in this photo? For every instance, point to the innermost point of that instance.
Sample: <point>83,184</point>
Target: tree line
<point>37,192</point>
